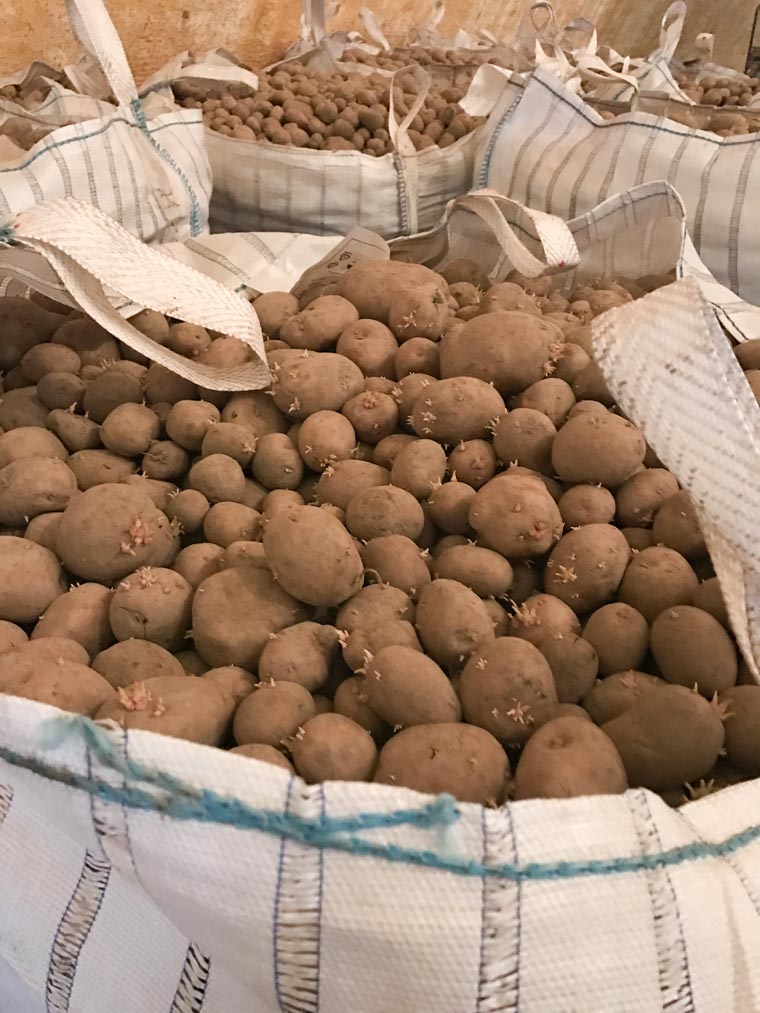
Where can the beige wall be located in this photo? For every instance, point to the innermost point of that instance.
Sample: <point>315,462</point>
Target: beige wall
<point>257,30</point>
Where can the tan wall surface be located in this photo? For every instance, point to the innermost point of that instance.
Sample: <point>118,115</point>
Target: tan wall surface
<point>258,30</point>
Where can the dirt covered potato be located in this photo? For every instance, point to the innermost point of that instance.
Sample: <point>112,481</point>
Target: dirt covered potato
<point>451,622</point>
<point>30,580</point>
<point>566,758</point>
<point>485,572</point>
<point>593,448</point>
<point>303,653</point>
<point>61,683</point>
<point>332,747</point>
<point>619,635</point>
<point>693,649</point>
<point>80,614</point>
<point>153,603</point>
<point>184,707</point>
<point>404,687</point>
<point>272,714</point>
<point>516,516</point>
<point>397,561</point>
<point>586,566</point>
<point>456,409</point>
<point>133,661</point>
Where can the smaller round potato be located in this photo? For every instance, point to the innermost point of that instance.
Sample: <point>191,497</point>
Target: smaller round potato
<point>197,561</point>
<point>109,390</point>
<point>668,738</point>
<point>332,747</point>
<point>371,345</point>
<point>708,597</point>
<point>372,415</point>
<point>164,460</point>
<point>344,480</point>
<point>452,622</point>
<point>312,556</point>
<point>655,579</point>
<point>244,553</point>
<point>279,501</point>
<point>461,760</point>
<point>226,523</point>
<point>419,467</point>
<point>164,387</point>
<point>406,688</point>
<point>568,758</point>
<point>11,636</point>
<point>64,684</point>
<point>506,688</point>
<point>351,702</point>
<point>27,658</point>
<point>152,324</point>
<point>152,604</point>
<point>639,499</point>
<point>472,462</point>
<point>374,606</point>
<point>485,572</point>
<point>43,529</point>
<point>614,695</point>
<point>236,683</point>
<point>448,507</point>
<point>266,754</point>
<point>30,441</point>
<point>620,636</point>
<point>418,311</point>
<point>49,358</point>
<point>740,708</point>
<point>397,561</point>
<point>406,393</point>
<point>81,614</point>
<point>417,355</point>
<point>160,493</point>
<point>571,363</point>
<point>74,431</point>
<point>189,340</point>
<point>273,309</point>
<point>130,429</point>
<point>691,648</point>
<point>506,295</point>
<point>134,661</point>
<point>272,714</point>
<point>541,616</point>
<point>320,324</point>
<point>303,653</point>
<point>516,516</point>
<point>96,467</point>
<point>586,504</point>
<point>324,438</point>
<point>34,485</point>
<point>277,463</point>
<point>61,390</point>
<point>231,439</point>
<point>364,643</point>
<point>219,478</point>
<point>21,408</point>
<point>574,665</point>
<point>586,566</point>
<point>189,421</point>
<point>458,408</point>
<point>30,580</point>
<point>384,510</point>
<point>603,449</point>
<point>188,507</point>
<point>319,382</point>
<point>676,525</point>
<point>184,707</point>
<point>552,397</point>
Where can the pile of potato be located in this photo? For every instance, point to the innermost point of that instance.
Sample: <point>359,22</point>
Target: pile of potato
<point>330,112</point>
<point>725,92</point>
<point>436,56</point>
<point>431,555</point>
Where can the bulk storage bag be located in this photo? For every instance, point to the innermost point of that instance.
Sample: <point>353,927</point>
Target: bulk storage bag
<point>144,873</point>
<point>148,171</point>
<point>548,148</point>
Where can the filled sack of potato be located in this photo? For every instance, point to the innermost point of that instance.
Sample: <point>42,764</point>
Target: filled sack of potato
<point>140,162</point>
<point>456,615</point>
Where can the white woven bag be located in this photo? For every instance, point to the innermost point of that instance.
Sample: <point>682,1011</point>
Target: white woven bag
<point>150,875</point>
<point>151,175</point>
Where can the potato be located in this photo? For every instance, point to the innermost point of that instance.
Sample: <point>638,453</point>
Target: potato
<point>406,393</point>
<point>405,688</point>
<point>273,309</point>
<point>516,516</point>
<point>397,561</point>
<point>226,523</point>
<point>110,530</point>
<point>107,391</point>
<point>183,707</point>
<point>485,572</point>
<point>691,648</point>
<point>21,408</point>
<point>552,397</point>
<point>668,738</point>
<point>312,556</point>
<point>131,661</point>
<point>254,495</point>
<point>656,579</point>
<point>464,270</point>
<point>506,295</point>
<point>62,683</point>
<point>472,462</point>
<point>279,500</point>
<point>266,754</point>
<point>345,479</point>
<point>592,449</point>
<point>451,622</point>
<point>366,641</point>
<point>740,708</point>
<point>189,421</point>
<point>456,409</point>
<point>189,340</point>
<point>230,439</point>
<point>525,437</point>
<point>189,507</point>
<point>457,759</point>
<point>351,702</point>
<point>708,597</point>
<point>164,387</point>
<point>34,485</point>
<point>639,499</point>
<point>418,467</point>
<point>92,343</point>
<point>320,324</point>
<point>243,553</point>
<point>30,441</point>
<point>303,653</point>
<point>192,663</point>
<point>130,429</point>
<point>373,286</point>
<point>24,325</point>
<point>160,493</point>
<point>384,510</point>
<point>318,382</point>
<point>571,363</point>
<point>568,758</point>
<point>676,525</point>
<point>374,606</point>
<point>372,415</point>
<point>164,460</point>
<point>586,504</point>
<point>152,324</point>
<point>417,355</point>
<point>235,683</point>
<point>96,467</point>
<point>331,747</point>
<point>30,580</point>
<point>80,614</point>
<point>574,665</point>
<point>272,714</point>
<point>325,438</point>
<point>28,657</point>
<point>371,345</point>
<point>506,688</point>
<point>11,636</point>
<point>198,561</point>
<point>511,349</point>
<point>620,636</point>
<point>418,311</point>
<point>154,604</point>
<point>448,506</point>
<point>586,566</point>
<point>225,352</point>
<point>541,616</point>
<point>614,695</point>
<point>218,477</point>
